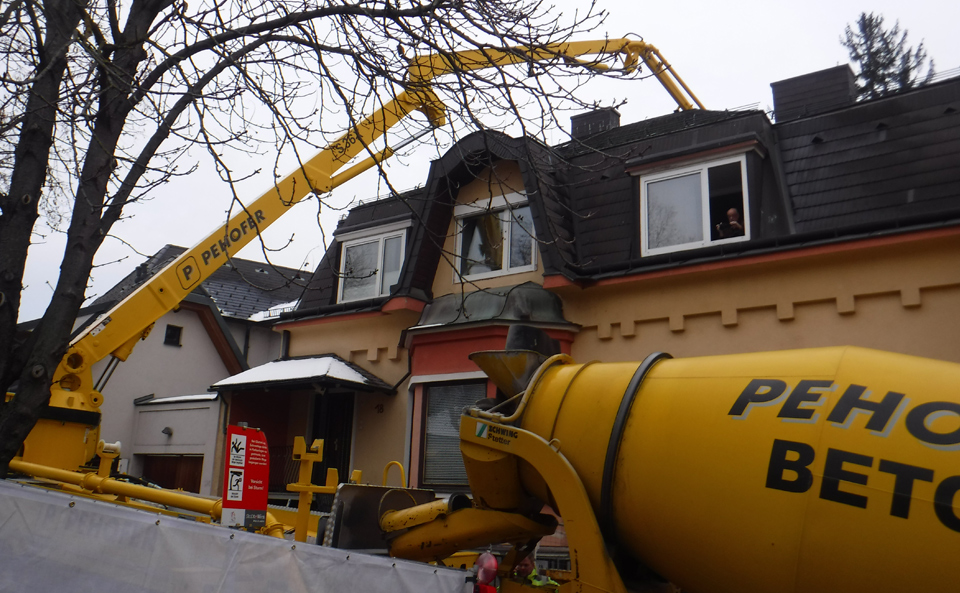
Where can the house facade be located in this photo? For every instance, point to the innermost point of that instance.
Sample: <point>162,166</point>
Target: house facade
<point>156,403</point>
<point>696,233</point>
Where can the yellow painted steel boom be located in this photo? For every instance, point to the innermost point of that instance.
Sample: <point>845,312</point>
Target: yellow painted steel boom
<point>68,442</point>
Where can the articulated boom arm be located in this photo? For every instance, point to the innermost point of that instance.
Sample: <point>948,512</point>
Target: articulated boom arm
<point>629,51</point>
<point>122,327</point>
<point>119,329</point>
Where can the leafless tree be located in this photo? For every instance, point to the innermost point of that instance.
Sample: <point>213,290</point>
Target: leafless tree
<point>100,101</point>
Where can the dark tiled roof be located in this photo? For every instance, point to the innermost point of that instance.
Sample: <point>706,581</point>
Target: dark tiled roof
<point>881,160</point>
<point>873,167</point>
<point>374,213</point>
<point>240,288</point>
<point>606,200</point>
<point>665,125</point>
<point>322,288</point>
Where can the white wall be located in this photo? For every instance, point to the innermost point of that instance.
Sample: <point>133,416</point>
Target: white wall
<point>196,430</point>
<point>162,370</point>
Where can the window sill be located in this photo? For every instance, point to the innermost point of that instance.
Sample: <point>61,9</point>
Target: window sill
<point>693,246</point>
<point>461,279</point>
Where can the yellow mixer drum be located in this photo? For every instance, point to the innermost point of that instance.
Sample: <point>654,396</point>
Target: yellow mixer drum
<point>798,471</point>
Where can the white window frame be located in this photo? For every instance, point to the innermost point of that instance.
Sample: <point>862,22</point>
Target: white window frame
<point>379,235</point>
<point>699,167</point>
<point>502,205</point>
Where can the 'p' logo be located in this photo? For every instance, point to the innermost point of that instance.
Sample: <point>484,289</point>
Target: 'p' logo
<point>188,273</point>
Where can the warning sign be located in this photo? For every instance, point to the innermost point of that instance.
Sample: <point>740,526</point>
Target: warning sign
<point>238,450</point>
<point>246,478</point>
<point>235,484</point>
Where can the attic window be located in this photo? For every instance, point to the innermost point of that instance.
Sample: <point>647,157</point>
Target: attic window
<point>495,238</point>
<point>694,206</point>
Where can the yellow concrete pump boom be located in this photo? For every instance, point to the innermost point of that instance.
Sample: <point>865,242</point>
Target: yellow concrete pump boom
<point>67,442</point>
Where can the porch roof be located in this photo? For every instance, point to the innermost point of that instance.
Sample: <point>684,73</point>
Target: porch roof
<point>327,370</point>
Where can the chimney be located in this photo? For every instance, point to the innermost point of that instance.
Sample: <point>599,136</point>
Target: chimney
<point>141,274</point>
<point>814,93</point>
<point>594,122</point>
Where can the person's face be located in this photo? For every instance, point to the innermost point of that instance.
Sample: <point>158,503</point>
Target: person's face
<point>524,568</point>
<point>733,215</point>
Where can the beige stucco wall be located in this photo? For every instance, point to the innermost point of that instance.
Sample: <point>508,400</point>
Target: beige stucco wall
<point>500,180</point>
<point>371,342</point>
<point>902,296</point>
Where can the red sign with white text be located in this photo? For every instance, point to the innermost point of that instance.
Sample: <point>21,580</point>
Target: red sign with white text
<point>246,478</point>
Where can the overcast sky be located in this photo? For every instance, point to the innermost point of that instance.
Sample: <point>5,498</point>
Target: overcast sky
<point>728,53</point>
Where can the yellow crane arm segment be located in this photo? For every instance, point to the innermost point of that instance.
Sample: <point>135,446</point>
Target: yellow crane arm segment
<point>118,330</point>
<point>630,51</point>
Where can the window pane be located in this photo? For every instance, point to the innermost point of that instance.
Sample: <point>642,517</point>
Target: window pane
<point>674,211</point>
<point>442,462</point>
<point>392,256</point>
<point>725,184</point>
<point>521,237</point>
<point>481,249</point>
<point>360,271</point>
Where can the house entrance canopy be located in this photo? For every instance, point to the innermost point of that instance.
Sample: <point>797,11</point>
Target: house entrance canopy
<point>328,370</point>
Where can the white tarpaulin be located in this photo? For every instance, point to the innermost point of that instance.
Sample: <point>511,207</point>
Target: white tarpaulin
<point>54,542</point>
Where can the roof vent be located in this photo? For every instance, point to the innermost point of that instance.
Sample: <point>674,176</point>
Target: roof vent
<point>814,93</point>
<point>594,122</point>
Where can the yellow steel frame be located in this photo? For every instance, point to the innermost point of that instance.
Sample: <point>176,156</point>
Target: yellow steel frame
<point>428,67</point>
<point>304,484</point>
<point>589,560</point>
<point>95,485</point>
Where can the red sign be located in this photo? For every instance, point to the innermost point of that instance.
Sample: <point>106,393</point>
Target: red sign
<point>246,478</point>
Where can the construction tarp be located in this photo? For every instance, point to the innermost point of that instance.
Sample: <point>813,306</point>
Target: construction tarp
<point>51,541</point>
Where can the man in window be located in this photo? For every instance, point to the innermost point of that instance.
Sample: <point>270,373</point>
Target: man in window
<point>732,227</point>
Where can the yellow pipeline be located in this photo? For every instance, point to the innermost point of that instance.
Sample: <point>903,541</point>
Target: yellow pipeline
<point>96,484</point>
<point>464,529</point>
<point>416,515</point>
<point>806,471</point>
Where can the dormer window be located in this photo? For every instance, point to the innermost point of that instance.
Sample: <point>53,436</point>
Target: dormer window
<point>495,237</point>
<point>370,262</point>
<point>694,206</point>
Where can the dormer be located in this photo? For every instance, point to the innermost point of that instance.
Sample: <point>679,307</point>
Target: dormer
<point>491,238</point>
